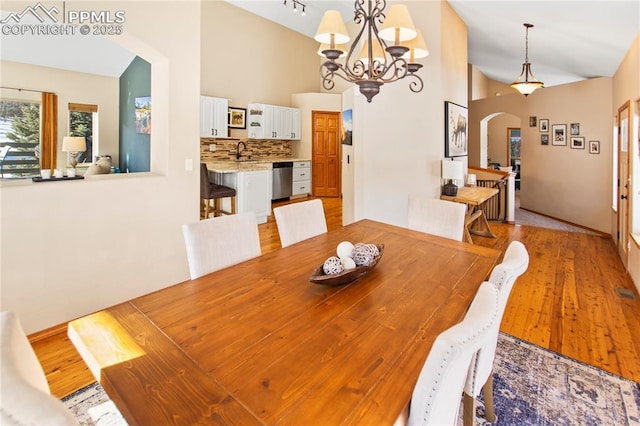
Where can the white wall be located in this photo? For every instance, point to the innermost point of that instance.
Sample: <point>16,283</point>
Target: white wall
<point>124,230</point>
<point>398,140</point>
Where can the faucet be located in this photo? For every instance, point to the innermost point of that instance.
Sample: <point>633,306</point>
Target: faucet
<point>238,149</point>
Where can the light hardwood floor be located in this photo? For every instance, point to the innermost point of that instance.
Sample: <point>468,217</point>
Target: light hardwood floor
<point>567,301</point>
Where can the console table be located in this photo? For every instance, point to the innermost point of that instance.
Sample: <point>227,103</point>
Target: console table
<point>474,197</point>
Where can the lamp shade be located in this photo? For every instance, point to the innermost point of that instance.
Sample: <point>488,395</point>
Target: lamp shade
<point>377,51</point>
<point>417,48</point>
<point>74,144</point>
<point>332,26</point>
<point>398,25</point>
<point>452,169</point>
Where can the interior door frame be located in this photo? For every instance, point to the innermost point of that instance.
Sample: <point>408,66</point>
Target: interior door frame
<point>622,201</point>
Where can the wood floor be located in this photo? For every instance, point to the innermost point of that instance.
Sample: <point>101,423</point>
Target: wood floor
<point>567,301</point>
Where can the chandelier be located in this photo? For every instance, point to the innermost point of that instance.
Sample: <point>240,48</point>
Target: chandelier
<point>527,83</point>
<point>388,54</point>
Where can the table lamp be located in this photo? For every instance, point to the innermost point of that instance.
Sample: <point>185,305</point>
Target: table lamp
<point>74,145</point>
<point>451,170</point>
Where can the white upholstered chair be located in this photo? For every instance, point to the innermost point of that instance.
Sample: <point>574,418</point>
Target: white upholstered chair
<point>437,217</point>
<point>221,241</point>
<point>514,263</point>
<point>26,398</point>
<point>436,397</point>
<point>299,221</point>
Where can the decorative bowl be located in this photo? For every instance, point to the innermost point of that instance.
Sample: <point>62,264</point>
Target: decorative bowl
<point>345,277</point>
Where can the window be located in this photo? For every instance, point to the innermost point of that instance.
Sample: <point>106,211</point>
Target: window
<point>83,121</point>
<point>19,136</point>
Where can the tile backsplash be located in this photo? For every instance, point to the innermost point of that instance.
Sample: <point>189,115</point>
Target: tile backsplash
<point>257,149</point>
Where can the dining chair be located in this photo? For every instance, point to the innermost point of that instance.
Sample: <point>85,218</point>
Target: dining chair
<point>480,378</point>
<point>437,393</point>
<point>222,241</point>
<point>212,191</point>
<point>437,217</point>
<point>26,398</point>
<point>299,221</point>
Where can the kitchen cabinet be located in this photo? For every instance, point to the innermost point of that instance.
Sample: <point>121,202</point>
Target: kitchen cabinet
<point>301,182</point>
<point>253,191</point>
<point>273,122</point>
<point>214,117</point>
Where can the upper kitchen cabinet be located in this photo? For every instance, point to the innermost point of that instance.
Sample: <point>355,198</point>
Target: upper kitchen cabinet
<point>273,122</point>
<point>213,117</point>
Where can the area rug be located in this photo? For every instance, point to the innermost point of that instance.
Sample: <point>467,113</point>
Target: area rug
<point>532,386</point>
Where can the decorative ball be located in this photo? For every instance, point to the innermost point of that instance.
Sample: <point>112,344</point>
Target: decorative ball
<point>363,254</point>
<point>374,249</point>
<point>348,263</point>
<point>345,249</point>
<point>332,265</point>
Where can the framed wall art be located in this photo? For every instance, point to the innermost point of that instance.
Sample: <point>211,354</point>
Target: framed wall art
<point>533,121</point>
<point>544,139</point>
<point>575,129</point>
<point>143,114</point>
<point>577,142</point>
<point>455,130</point>
<point>559,134</point>
<point>543,125</point>
<point>237,118</point>
<point>594,147</point>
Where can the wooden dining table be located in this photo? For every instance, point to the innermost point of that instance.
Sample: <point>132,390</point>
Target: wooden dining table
<point>257,343</point>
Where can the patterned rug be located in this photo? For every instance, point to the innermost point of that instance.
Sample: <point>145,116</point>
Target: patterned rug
<point>532,386</point>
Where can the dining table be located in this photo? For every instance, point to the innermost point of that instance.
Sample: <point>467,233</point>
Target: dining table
<point>257,343</point>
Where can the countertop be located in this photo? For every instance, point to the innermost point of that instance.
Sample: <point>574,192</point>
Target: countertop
<point>246,165</point>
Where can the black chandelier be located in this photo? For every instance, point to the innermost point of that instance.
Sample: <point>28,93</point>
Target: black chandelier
<point>388,54</point>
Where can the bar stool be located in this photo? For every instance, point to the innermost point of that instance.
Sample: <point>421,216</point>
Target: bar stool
<point>212,191</point>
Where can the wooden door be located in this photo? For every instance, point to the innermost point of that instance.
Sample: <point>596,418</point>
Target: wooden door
<point>325,153</point>
<point>624,132</point>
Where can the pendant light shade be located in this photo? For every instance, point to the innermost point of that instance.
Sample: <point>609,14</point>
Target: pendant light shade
<point>527,83</point>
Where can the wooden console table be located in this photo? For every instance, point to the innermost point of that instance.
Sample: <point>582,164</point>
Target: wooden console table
<point>474,197</point>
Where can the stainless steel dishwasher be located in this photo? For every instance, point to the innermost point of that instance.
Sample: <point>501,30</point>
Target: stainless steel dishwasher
<point>282,180</point>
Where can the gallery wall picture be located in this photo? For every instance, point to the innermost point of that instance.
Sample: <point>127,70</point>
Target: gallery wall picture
<point>575,129</point>
<point>543,125</point>
<point>544,139</point>
<point>594,147</point>
<point>455,130</point>
<point>143,115</point>
<point>559,134</point>
<point>577,142</point>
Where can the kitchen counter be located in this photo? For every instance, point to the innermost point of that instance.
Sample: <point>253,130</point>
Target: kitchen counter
<point>246,165</point>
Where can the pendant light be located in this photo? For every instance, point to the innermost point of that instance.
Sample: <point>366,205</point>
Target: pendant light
<point>527,83</point>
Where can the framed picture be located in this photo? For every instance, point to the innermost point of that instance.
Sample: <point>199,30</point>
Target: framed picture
<point>559,134</point>
<point>347,127</point>
<point>543,125</point>
<point>594,147</point>
<point>577,142</point>
<point>143,115</point>
<point>533,121</point>
<point>455,130</point>
<point>575,129</point>
<point>237,118</point>
<point>544,139</point>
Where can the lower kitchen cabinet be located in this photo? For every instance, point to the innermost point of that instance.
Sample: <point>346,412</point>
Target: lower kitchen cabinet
<point>301,182</point>
<point>253,191</point>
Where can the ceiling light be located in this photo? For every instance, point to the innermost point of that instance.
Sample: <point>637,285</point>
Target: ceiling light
<point>381,61</point>
<point>527,83</point>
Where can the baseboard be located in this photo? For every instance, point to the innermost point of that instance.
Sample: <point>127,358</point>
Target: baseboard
<point>47,333</point>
